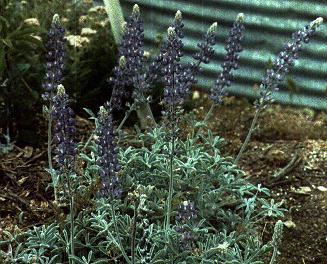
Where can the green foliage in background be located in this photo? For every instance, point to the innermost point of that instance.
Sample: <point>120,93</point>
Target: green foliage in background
<point>91,50</point>
<point>20,47</point>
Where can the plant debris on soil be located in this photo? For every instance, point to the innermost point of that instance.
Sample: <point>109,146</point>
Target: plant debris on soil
<point>287,154</point>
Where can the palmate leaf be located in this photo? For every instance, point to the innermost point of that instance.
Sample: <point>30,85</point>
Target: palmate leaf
<point>89,260</point>
<point>47,260</point>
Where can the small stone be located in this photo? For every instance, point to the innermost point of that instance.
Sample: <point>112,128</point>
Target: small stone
<point>322,188</point>
<point>28,152</point>
<point>277,157</point>
<point>196,95</point>
<point>290,224</point>
<point>303,190</point>
<point>21,181</point>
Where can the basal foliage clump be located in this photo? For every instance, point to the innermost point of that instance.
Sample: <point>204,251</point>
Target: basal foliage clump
<point>162,195</point>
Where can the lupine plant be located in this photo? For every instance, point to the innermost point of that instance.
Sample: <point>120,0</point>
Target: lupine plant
<point>276,240</point>
<point>64,137</point>
<point>233,48</point>
<point>281,66</point>
<point>131,70</point>
<point>162,196</point>
<point>54,76</point>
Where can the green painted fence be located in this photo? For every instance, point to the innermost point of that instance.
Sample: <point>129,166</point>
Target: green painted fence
<point>269,23</point>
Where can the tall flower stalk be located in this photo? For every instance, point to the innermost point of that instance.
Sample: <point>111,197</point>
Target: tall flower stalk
<point>65,150</point>
<point>281,66</point>
<point>131,48</point>
<point>174,95</point>
<point>54,66</point>
<point>276,240</point>
<point>108,164</point>
<point>178,79</point>
<point>233,48</point>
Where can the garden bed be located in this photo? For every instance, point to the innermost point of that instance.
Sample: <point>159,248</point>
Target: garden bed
<point>285,135</point>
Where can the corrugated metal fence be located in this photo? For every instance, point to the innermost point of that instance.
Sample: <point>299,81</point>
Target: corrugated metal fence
<point>269,23</point>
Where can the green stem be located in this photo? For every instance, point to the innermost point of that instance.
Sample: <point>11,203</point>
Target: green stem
<point>71,216</point>
<point>274,256</point>
<point>150,113</point>
<point>208,115</point>
<point>206,119</point>
<point>171,187</point>
<point>118,237</point>
<point>248,137</point>
<point>127,114</point>
<point>145,114</point>
<point>72,244</point>
<point>49,146</point>
<point>171,175</point>
<point>88,141</point>
<point>134,232</point>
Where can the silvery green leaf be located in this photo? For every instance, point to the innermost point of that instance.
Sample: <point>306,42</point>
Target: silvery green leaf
<point>89,112</point>
<point>87,158</point>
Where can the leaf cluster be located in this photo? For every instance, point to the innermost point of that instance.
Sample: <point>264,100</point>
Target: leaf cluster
<point>228,208</point>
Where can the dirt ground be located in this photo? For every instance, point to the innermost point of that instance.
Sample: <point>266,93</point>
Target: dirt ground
<point>288,154</point>
<point>291,138</point>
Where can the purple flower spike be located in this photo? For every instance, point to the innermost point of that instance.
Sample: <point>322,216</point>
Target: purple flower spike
<point>64,130</point>
<point>178,24</point>
<point>233,48</point>
<point>186,214</point>
<point>285,61</point>
<point>108,163</point>
<point>206,47</point>
<point>119,82</point>
<point>171,69</point>
<point>55,57</point>
<point>131,71</point>
<point>155,67</point>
